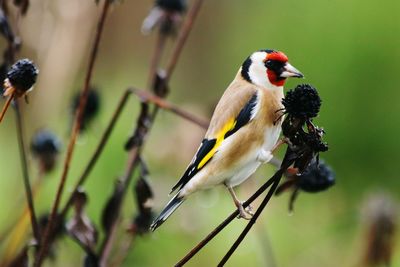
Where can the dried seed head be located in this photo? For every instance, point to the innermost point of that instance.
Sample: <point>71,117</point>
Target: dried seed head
<point>380,214</point>
<point>172,5</point>
<point>46,146</point>
<point>91,109</point>
<point>302,102</point>
<point>316,177</point>
<point>22,75</point>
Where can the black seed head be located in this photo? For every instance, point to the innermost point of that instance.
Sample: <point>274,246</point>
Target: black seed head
<point>22,75</point>
<point>172,5</point>
<point>46,146</point>
<point>92,107</point>
<point>302,102</point>
<point>316,177</point>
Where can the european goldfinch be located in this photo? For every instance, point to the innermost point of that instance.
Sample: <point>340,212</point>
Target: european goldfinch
<point>243,132</point>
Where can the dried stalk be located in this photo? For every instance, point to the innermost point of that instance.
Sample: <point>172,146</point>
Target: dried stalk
<point>222,225</point>
<point>162,103</point>
<point>77,124</point>
<point>277,177</point>
<point>99,149</point>
<point>27,185</point>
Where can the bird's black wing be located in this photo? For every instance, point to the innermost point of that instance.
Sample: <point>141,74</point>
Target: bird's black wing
<point>209,147</point>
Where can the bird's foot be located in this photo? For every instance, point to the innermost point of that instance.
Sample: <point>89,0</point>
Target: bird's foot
<point>245,213</point>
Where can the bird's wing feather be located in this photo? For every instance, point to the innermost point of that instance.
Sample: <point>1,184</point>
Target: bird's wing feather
<point>234,110</point>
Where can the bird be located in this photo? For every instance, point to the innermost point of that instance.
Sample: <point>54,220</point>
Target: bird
<point>243,132</point>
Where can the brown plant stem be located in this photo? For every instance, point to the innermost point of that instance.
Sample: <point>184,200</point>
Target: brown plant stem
<point>222,225</point>
<point>76,127</point>
<point>99,149</point>
<point>184,34</point>
<point>27,185</point>
<point>5,107</point>
<point>162,103</point>
<point>277,177</point>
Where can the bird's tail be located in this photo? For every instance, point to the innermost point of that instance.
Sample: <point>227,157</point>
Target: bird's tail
<point>172,205</point>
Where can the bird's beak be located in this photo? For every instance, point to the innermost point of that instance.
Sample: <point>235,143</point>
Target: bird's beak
<point>290,71</point>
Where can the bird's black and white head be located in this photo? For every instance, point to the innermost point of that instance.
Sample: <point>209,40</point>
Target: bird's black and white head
<point>268,68</point>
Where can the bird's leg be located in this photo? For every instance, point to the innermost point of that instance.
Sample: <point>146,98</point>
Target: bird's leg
<point>243,213</point>
<point>278,145</point>
<point>265,156</point>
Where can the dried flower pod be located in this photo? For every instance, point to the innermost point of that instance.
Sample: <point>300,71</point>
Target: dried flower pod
<point>144,200</point>
<point>22,76</point>
<point>79,226</point>
<point>143,123</point>
<point>23,5</point>
<point>91,109</point>
<point>91,260</point>
<point>302,102</point>
<point>111,209</point>
<point>57,232</point>
<point>20,80</point>
<point>172,5</point>
<point>5,28</point>
<point>380,216</point>
<point>317,177</point>
<point>46,146</point>
<point>165,13</point>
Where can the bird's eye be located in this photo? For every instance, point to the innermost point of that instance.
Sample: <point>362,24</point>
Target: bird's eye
<point>269,64</point>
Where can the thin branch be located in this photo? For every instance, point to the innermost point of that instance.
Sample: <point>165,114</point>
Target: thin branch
<point>164,104</point>
<point>27,185</point>
<point>222,225</point>
<point>156,58</point>
<point>99,149</point>
<point>74,134</point>
<point>277,177</point>
<point>184,34</point>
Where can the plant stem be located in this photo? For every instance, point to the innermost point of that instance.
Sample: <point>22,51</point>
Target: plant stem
<point>222,225</point>
<point>76,127</point>
<point>99,149</point>
<point>184,34</point>
<point>24,164</point>
<point>277,177</point>
<point>162,103</point>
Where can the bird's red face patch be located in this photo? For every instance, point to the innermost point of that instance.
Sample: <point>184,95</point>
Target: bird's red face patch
<point>278,58</point>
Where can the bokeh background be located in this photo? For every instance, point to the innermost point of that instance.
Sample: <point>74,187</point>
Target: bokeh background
<point>349,50</point>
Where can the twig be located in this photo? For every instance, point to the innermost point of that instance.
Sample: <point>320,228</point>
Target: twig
<point>27,185</point>
<point>74,134</point>
<point>184,34</point>
<point>156,58</point>
<point>221,226</point>
<point>99,149</point>
<point>160,102</point>
<point>277,177</point>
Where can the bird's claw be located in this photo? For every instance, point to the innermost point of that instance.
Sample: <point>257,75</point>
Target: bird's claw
<point>245,213</point>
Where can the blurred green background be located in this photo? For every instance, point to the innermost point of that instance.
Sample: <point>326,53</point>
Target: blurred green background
<point>349,50</point>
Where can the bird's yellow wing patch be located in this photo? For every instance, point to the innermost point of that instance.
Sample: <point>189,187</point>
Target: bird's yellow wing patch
<point>230,125</point>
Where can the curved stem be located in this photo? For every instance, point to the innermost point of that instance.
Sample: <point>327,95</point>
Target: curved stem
<point>222,225</point>
<point>27,185</point>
